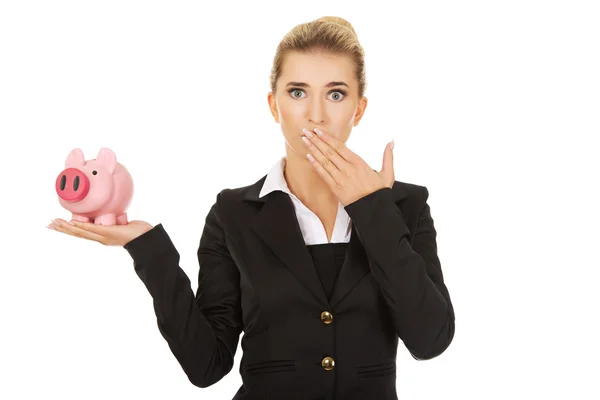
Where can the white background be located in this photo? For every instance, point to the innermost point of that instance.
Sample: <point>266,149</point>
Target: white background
<point>494,106</point>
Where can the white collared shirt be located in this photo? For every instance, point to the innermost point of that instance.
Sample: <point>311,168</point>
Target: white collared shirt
<point>311,226</point>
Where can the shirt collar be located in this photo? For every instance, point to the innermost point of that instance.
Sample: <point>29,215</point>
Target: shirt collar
<point>275,179</point>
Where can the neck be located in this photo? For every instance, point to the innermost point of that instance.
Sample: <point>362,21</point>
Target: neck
<point>304,181</point>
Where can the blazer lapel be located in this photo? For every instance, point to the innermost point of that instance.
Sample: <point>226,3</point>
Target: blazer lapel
<point>354,268</point>
<point>277,226</point>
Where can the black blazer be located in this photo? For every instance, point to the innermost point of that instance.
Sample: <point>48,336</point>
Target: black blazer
<point>257,276</point>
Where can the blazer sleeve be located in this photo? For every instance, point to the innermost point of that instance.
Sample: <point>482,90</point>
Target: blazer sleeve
<point>410,275</point>
<point>202,330</point>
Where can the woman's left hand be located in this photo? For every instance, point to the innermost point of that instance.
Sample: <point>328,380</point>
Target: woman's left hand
<point>348,175</point>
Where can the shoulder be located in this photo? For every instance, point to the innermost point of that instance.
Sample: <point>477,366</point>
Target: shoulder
<point>409,192</point>
<point>235,197</point>
<point>409,196</point>
<point>401,192</point>
<point>411,199</point>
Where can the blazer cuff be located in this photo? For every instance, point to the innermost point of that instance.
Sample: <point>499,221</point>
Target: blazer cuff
<point>378,220</point>
<point>150,245</point>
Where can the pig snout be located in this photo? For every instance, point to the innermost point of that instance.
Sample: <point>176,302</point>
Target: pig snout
<point>72,185</point>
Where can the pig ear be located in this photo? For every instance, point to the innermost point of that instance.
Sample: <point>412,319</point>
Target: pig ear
<point>75,159</point>
<point>107,158</point>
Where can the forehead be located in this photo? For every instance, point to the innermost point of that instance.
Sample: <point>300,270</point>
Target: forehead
<point>317,68</point>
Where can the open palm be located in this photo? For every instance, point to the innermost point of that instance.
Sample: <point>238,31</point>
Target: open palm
<point>108,235</point>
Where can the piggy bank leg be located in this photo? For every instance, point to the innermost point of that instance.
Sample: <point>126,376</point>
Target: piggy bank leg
<point>122,219</point>
<point>106,219</point>
<point>76,217</point>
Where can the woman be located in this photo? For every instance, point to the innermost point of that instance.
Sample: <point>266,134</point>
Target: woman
<point>323,263</point>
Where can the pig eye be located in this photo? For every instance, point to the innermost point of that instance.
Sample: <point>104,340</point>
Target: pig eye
<point>94,172</point>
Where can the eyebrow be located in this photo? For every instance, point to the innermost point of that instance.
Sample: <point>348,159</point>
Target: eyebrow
<point>330,84</point>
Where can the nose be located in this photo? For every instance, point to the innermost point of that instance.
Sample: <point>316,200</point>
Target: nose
<point>316,111</point>
<point>72,185</point>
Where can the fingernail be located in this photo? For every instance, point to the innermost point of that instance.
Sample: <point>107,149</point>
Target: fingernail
<point>392,145</point>
<point>307,133</point>
<point>319,132</point>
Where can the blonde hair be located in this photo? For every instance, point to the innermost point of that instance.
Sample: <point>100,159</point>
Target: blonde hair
<point>328,34</point>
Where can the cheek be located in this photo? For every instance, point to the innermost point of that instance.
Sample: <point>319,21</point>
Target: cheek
<point>291,113</point>
<point>291,121</point>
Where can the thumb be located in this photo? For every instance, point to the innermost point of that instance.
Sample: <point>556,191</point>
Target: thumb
<point>387,168</point>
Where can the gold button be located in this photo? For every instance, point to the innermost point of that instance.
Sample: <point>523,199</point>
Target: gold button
<point>328,363</point>
<point>326,317</point>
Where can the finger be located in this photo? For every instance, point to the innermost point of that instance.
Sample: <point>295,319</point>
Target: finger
<point>331,153</point>
<point>64,227</point>
<point>87,226</point>
<point>387,166</point>
<point>322,171</point>
<point>332,170</point>
<point>59,228</point>
<point>338,146</point>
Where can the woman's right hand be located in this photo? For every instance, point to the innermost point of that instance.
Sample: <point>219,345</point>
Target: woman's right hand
<point>108,235</point>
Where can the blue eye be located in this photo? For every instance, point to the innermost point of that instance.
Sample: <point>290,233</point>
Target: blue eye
<point>339,91</point>
<point>294,90</point>
<point>343,92</point>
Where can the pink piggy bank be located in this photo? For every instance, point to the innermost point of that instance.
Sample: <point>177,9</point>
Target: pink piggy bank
<point>97,190</point>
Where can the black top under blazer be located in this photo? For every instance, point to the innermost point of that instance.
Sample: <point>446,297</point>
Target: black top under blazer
<point>257,276</point>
